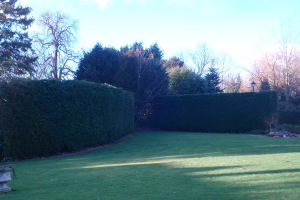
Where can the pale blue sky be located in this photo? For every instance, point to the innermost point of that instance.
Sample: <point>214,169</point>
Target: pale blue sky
<point>235,26</point>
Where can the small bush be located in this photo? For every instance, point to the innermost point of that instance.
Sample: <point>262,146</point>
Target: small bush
<point>290,128</point>
<point>297,129</point>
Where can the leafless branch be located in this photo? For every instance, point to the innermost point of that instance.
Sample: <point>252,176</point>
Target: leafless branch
<point>55,44</point>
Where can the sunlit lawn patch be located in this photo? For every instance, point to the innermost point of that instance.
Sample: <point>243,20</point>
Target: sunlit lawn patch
<point>168,165</point>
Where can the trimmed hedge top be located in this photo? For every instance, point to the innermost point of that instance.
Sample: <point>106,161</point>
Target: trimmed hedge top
<point>225,112</point>
<point>46,117</point>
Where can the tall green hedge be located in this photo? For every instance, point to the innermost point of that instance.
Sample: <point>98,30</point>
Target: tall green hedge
<point>46,117</point>
<point>289,117</point>
<point>230,112</point>
<point>1,146</point>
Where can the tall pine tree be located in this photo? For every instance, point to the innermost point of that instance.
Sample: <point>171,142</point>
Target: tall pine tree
<point>213,80</point>
<point>15,45</point>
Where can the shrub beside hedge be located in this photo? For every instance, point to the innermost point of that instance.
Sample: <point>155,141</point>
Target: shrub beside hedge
<point>289,117</point>
<point>46,117</point>
<point>290,128</point>
<point>230,112</point>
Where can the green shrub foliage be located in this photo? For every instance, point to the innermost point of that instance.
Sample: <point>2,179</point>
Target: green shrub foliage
<point>290,128</point>
<point>185,81</point>
<point>1,146</point>
<point>46,117</point>
<point>289,117</point>
<point>230,112</point>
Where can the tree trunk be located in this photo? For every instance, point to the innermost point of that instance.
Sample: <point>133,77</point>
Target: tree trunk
<point>55,62</point>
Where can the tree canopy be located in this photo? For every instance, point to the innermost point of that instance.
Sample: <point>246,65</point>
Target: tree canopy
<point>134,68</point>
<point>101,65</point>
<point>213,81</point>
<point>15,45</point>
<point>185,81</point>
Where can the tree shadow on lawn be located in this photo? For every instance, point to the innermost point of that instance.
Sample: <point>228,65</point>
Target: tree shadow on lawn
<point>157,166</point>
<point>158,150</point>
<point>164,181</point>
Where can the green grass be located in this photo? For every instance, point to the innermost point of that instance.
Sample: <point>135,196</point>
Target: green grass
<point>168,165</point>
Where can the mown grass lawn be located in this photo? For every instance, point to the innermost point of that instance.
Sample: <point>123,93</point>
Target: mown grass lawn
<point>168,165</point>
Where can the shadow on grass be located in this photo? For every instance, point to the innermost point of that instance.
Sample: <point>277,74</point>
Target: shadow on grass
<point>160,151</point>
<point>170,165</point>
<point>162,181</point>
<point>162,145</point>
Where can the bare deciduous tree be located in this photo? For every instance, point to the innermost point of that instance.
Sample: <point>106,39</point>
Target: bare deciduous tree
<point>182,55</point>
<point>279,61</point>
<point>228,69</point>
<point>201,57</point>
<point>288,38</point>
<point>55,45</point>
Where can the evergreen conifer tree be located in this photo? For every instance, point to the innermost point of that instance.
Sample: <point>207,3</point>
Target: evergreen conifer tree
<point>265,85</point>
<point>15,44</point>
<point>213,80</point>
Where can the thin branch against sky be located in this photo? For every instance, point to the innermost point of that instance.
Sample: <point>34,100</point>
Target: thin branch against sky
<point>233,26</point>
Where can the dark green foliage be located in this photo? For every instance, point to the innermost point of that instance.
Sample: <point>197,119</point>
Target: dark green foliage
<point>230,112</point>
<point>265,85</point>
<point>103,65</point>
<point>295,101</point>
<point>184,81</point>
<point>155,51</point>
<point>14,41</point>
<point>133,68</point>
<point>46,117</point>
<point>289,117</point>
<point>1,146</point>
<point>290,128</point>
<point>149,76</point>
<point>212,81</point>
<point>297,129</point>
